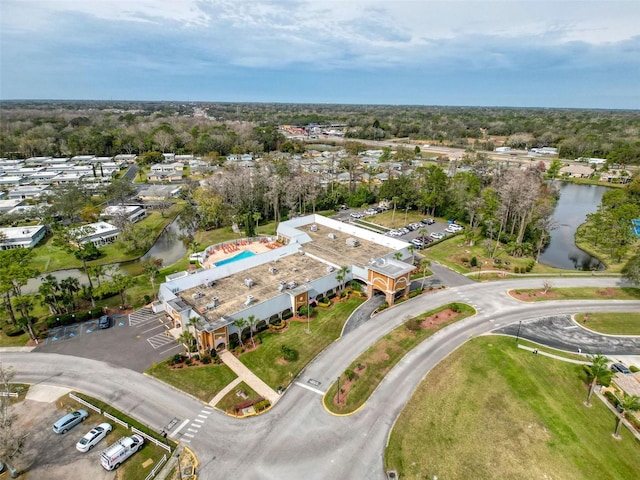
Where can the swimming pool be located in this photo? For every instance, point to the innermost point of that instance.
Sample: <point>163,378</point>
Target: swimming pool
<point>240,256</point>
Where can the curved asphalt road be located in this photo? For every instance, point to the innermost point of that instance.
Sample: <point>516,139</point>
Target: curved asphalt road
<point>298,438</point>
<point>561,332</point>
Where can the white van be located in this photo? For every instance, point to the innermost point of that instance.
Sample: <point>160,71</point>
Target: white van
<point>112,457</point>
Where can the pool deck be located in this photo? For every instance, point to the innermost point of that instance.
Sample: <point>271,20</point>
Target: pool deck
<point>232,251</point>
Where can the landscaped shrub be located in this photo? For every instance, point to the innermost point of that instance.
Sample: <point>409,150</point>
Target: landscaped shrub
<point>176,359</point>
<point>455,307</point>
<point>530,266</point>
<point>464,260</point>
<point>383,306</point>
<point>14,331</point>
<point>413,294</point>
<point>287,315</point>
<point>324,304</point>
<point>331,295</point>
<point>612,398</point>
<point>350,374</point>
<point>206,359</point>
<point>237,350</point>
<point>188,361</point>
<point>289,354</point>
<point>413,325</point>
<point>634,369</point>
<point>474,262</point>
<point>419,291</point>
<point>278,326</point>
<point>261,405</point>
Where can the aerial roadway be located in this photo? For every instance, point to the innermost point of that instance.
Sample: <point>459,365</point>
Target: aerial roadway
<point>298,438</point>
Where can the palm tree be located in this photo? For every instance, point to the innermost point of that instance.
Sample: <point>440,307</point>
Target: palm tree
<point>24,305</point>
<point>412,250</point>
<point>187,339</point>
<point>598,372</point>
<point>397,255</point>
<point>424,263</point>
<point>193,324</point>
<point>252,321</point>
<point>341,275</point>
<point>626,403</point>
<point>50,293</point>
<point>240,324</point>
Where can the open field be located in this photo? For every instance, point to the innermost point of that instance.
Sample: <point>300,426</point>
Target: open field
<point>203,382</point>
<point>266,361</point>
<point>627,323</point>
<point>373,365</point>
<point>493,411</point>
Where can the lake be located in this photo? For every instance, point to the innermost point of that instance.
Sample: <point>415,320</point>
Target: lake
<point>576,201</point>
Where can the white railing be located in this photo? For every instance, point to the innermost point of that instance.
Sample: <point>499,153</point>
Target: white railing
<point>151,439</point>
<point>116,419</point>
<point>85,403</point>
<point>157,467</point>
<point>8,394</point>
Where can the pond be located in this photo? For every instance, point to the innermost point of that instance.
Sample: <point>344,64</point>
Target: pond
<point>576,201</point>
<point>168,247</point>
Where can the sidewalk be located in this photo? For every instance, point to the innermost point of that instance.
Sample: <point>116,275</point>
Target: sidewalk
<point>248,377</point>
<point>221,394</point>
<point>557,357</point>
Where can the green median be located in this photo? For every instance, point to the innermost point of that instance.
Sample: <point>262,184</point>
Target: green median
<point>364,375</point>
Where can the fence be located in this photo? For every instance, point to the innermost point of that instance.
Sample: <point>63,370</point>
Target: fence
<point>121,422</point>
<point>8,394</point>
<point>85,403</point>
<point>157,467</point>
<point>151,439</point>
<point>115,419</point>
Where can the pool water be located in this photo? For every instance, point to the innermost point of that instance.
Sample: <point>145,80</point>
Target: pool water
<point>240,256</point>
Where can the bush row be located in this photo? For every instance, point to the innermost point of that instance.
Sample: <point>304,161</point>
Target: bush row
<point>69,318</point>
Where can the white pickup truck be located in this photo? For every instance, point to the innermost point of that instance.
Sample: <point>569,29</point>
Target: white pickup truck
<point>112,457</point>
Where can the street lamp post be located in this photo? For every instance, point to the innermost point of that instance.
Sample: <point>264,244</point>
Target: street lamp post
<point>518,334</point>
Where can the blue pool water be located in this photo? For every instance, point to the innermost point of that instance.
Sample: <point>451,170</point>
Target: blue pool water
<point>240,256</point>
<point>636,226</point>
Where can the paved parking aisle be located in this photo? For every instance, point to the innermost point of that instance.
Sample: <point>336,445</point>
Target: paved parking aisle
<point>134,341</point>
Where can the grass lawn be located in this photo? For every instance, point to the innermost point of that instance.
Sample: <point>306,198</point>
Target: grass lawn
<point>17,341</point>
<point>453,253</point>
<point>381,357</point>
<point>232,398</point>
<point>493,411</point>
<point>133,466</point>
<point>576,293</point>
<point>627,323</point>
<point>266,361</point>
<point>401,218</point>
<point>203,382</point>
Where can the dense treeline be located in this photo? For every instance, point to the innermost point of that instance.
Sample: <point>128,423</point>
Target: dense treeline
<point>108,128</point>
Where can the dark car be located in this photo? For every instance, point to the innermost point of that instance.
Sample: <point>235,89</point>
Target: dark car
<point>104,321</point>
<point>620,368</point>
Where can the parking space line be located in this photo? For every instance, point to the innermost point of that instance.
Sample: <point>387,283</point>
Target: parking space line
<point>153,328</point>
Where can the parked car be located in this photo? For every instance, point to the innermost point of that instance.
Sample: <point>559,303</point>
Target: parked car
<point>117,453</point>
<point>417,242</point>
<point>428,221</point>
<point>415,226</point>
<point>451,229</point>
<point>620,368</point>
<point>104,322</point>
<point>93,437</point>
<point>70,420</point>
<point>437,235</point>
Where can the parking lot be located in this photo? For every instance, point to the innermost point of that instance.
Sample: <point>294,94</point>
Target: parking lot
<point>134,341</point>
<point>51,456</point>
<point>403,232</point>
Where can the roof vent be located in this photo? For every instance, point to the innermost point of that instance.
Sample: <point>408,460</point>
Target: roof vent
<point>249,282</point>
<point>249,300</point>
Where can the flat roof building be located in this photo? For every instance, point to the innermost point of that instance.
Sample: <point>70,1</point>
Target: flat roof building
<point>21,237</point>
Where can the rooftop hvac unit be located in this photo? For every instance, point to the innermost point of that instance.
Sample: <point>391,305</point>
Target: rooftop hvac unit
<point>273,270</point>
<point>197,295</point>
<point>314,228</point>
<point>210,283</point>
<point>352,242</point>
<point>330,268</point>
<point>249,300</point>
<point>282,287</point>
<point>249,282</point>
<point>332,236</point>
<point>292,284</point>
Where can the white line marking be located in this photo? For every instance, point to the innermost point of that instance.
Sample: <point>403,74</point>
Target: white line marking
<point>180,427</point>
<point>202,416</point>
<point>207,409</point>
<point>185,440</point>
<point>169,349</point>
<point>315,390</point>
<point>150,329</point>
<point>188,435</point>
<point>198,420</point>
<point>192,429</point>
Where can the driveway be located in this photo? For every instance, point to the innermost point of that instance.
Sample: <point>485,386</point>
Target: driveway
<point>135,342</point>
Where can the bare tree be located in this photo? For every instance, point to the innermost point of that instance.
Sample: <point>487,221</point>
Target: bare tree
<point>546,286</point>
<point>11,440</point>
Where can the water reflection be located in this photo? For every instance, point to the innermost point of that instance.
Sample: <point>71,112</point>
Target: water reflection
<point>576,201</point>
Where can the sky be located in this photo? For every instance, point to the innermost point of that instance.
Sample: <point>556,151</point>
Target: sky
<point>561,53</point>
